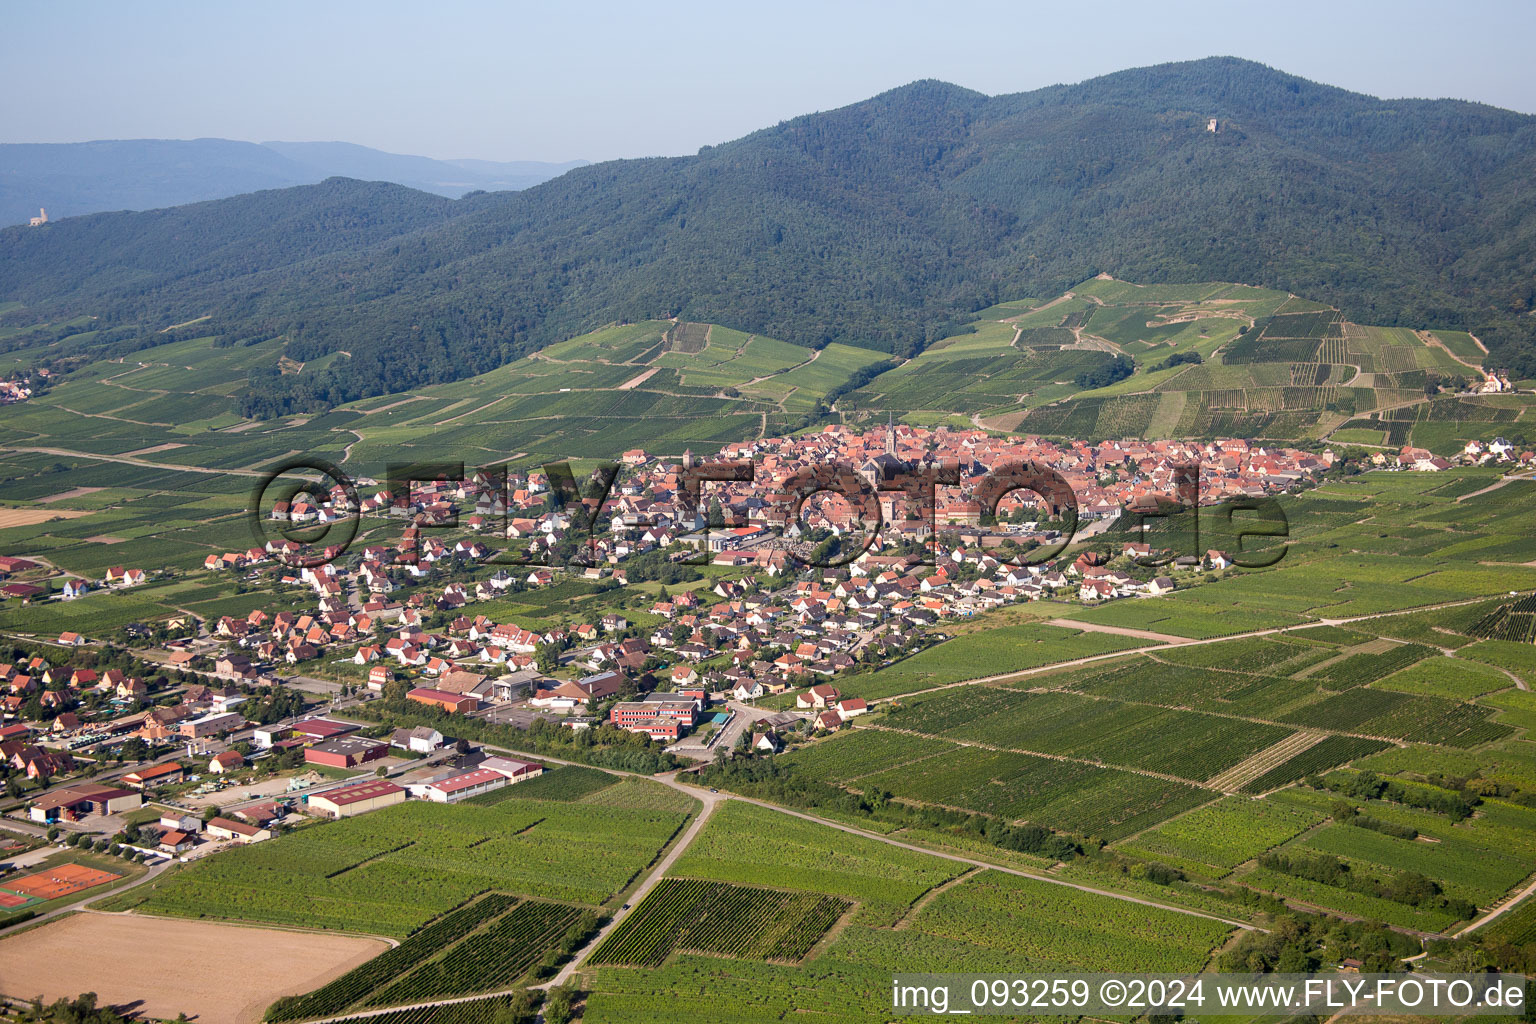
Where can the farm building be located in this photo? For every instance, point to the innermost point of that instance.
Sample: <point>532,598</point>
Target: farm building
<point>357,798</point>
<point>346,751</point>
<point>166,774</point>
<point>239,831</point>
<point>454,702</point>
<point>75,802</point>
<point>512,768</point>
<point>313,730</point>
<point>265,736</point>
<point>228,761</point>
<point>462,786</point>
<point>176,841</point>
<point>210,725</point>
<point>423,739</point>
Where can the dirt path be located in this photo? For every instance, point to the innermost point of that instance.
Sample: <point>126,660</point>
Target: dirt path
<point>1430,339</point>
<point>1180,642</point>
<point>1140,634</point>
<point>1501,910</point>
<point>126,461</point>
<point>815,355</point>
<point>635,382</point>
<point>1502,481</point>
<point>1064,297</point>
<point>711,801</point>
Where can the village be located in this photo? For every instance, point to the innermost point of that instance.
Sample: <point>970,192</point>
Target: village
<point>724,640</point>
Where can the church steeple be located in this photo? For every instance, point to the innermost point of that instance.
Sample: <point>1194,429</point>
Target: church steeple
<point>890,434</point>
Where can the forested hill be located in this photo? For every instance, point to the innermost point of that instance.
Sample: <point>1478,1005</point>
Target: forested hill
<point>880,224</point>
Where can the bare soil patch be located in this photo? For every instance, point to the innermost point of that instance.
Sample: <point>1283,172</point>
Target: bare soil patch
<point>170,446</point>
<point>27,516</point>
<point>78,492</point>
<point>102,538</point>
<point>636,381</point>
<point>217,973</point>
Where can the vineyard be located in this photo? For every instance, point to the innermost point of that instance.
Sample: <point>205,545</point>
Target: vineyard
<point>1359,669</point>
<point>1329,753</point>
<point>753,846</point>
<point>1514,622</point>
<point>714,917</point>
<point>565,783</point>
<point>1185,744</point>
<point>495,957</point>
<point>1404,717</point>
<point>1215,839</point>
<point>1517,927</point>
<point>861,752</point>
<point>358,983</point>
<point>1069,796</point>
<point>392,871</point>
<point>471,1011</point>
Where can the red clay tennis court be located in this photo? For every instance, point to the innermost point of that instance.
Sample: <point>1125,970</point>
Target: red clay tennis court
<point>10,901</point>
<point>64,880</point>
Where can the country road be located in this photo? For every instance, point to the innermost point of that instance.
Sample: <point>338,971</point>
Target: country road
<point>1499,911</point>
<point>712,800</point>
<point>127,461</point>
<point>1175,642</point>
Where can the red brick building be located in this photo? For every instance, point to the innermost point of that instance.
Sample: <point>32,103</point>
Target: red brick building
<point>454,702</point>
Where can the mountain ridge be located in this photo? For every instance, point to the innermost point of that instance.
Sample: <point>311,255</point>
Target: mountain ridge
<point>881,224</point>
<point>105,175</point>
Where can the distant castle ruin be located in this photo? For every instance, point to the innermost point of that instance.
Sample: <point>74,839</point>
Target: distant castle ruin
<point>40,219</point>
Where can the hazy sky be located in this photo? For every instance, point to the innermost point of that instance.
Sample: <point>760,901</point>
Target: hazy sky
<point>555,81</point>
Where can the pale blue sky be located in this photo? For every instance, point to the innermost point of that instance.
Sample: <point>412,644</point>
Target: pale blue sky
<point>548,81</point>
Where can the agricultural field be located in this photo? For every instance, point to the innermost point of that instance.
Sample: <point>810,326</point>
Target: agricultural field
<point>1188,745</point>
<point>988,652</point>
<point>859,753</point>
<point>1069,796</point>
<point>378,973</point>
<point>391,871</point>
<point>567,783</point>
<point>496,957</point>
<point>728,920</point>
<point>219,973</point>
<point>1518,926</point>
<point>1216,838</point>
<point>470,1011</point>
<point>992,921</point>
<point>789,853</point>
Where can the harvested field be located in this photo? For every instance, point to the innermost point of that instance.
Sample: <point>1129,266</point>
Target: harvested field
<point>10,517</point>
<point>156,449</point>
<point>216,973</point>
<point>102,538</point>
<point>77,492</point>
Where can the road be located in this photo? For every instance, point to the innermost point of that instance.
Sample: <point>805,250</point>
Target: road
<point>711,801</point>
<point>1185,642</point>
<point>126,461</point>
<point>154,872</point>
<point>1499,911</point>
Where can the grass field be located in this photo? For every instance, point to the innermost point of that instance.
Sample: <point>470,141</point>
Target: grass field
<point>788,853</point>
<point>391,871</point>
